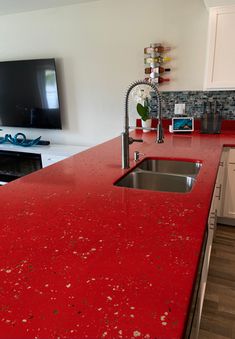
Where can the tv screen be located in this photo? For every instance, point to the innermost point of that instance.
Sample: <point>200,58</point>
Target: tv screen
<point>29,94</point>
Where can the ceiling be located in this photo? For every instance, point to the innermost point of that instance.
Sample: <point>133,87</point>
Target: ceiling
<point>17,6</point>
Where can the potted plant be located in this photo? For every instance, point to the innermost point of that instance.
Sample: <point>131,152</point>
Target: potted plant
<point>144,110</point>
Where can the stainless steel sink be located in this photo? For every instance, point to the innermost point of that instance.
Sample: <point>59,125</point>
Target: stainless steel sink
<point>170,166</point>
<point>156,181</point>
<point>162,175</point>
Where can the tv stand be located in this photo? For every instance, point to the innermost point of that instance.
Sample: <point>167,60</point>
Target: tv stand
<point>17,164</point>
<point>18,161</point>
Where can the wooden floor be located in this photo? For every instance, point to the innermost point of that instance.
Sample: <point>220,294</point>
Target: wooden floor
<point>218,317</point>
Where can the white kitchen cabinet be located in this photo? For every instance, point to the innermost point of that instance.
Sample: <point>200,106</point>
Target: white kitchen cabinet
<point>229,194</point>
<point>216,3</point>
<point>192,331</point>
<point>220,70</point>
<point>221,195</point>
<point>221,182</point>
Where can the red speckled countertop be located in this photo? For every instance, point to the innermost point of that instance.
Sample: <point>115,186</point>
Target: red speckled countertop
<point>81,258</point>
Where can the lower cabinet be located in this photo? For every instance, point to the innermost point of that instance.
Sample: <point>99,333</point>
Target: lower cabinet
<point>217,209</point>
<point>193,328</point>
<point>222,211</point>
<point>220,182</point>
<point>226,213</point>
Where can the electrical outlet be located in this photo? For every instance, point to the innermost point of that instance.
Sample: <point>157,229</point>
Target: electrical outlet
<point>179,109</point>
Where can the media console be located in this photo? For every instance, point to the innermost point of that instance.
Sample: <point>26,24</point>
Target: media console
<point>16,161</point>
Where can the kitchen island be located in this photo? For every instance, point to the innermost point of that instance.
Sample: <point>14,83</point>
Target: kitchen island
<point>82,258</point>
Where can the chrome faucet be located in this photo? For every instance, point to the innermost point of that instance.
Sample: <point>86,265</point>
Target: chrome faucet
<point>126,139</point>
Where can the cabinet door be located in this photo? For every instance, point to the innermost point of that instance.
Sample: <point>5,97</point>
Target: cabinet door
<point>229,201</point>
<point>221,182</point>
<point>220,72</point>
<point>199,293</point>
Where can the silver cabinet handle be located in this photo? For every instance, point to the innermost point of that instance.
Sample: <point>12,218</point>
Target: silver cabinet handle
<point>212,225</point>
<point>219,195</point>
<point>212,220</point>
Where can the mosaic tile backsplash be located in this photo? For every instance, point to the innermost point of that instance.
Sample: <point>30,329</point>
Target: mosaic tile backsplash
<point>194,102</point>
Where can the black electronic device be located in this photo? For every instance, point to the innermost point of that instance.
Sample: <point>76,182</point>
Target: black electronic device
<point>183,124</point>
<point>29,94</point>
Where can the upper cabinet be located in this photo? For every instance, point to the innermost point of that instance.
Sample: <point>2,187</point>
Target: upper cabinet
<point>220,68</point>
<point>217,3</point>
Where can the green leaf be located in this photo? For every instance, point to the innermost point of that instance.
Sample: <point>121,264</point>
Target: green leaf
<point>143,111</point>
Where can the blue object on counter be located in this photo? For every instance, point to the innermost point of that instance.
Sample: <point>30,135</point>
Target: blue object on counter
<point>19,140</point>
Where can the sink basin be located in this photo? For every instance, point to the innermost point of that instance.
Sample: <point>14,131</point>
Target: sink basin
<point>156,181</point>
<point>171,166</point>
<point>162,175</point>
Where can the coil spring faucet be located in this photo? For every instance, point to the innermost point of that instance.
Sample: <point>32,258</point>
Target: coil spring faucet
<point>126,139</point>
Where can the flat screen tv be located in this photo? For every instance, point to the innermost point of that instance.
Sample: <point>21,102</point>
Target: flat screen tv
<point>29,94</point>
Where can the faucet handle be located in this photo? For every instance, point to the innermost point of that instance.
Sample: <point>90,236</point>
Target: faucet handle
<point>137,155</point>
<point>131,140</point>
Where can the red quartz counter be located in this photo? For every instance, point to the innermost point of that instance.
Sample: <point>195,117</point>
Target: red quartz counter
<point>81,258</point>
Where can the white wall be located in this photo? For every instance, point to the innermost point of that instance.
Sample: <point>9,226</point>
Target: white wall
<point>99,51</point>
